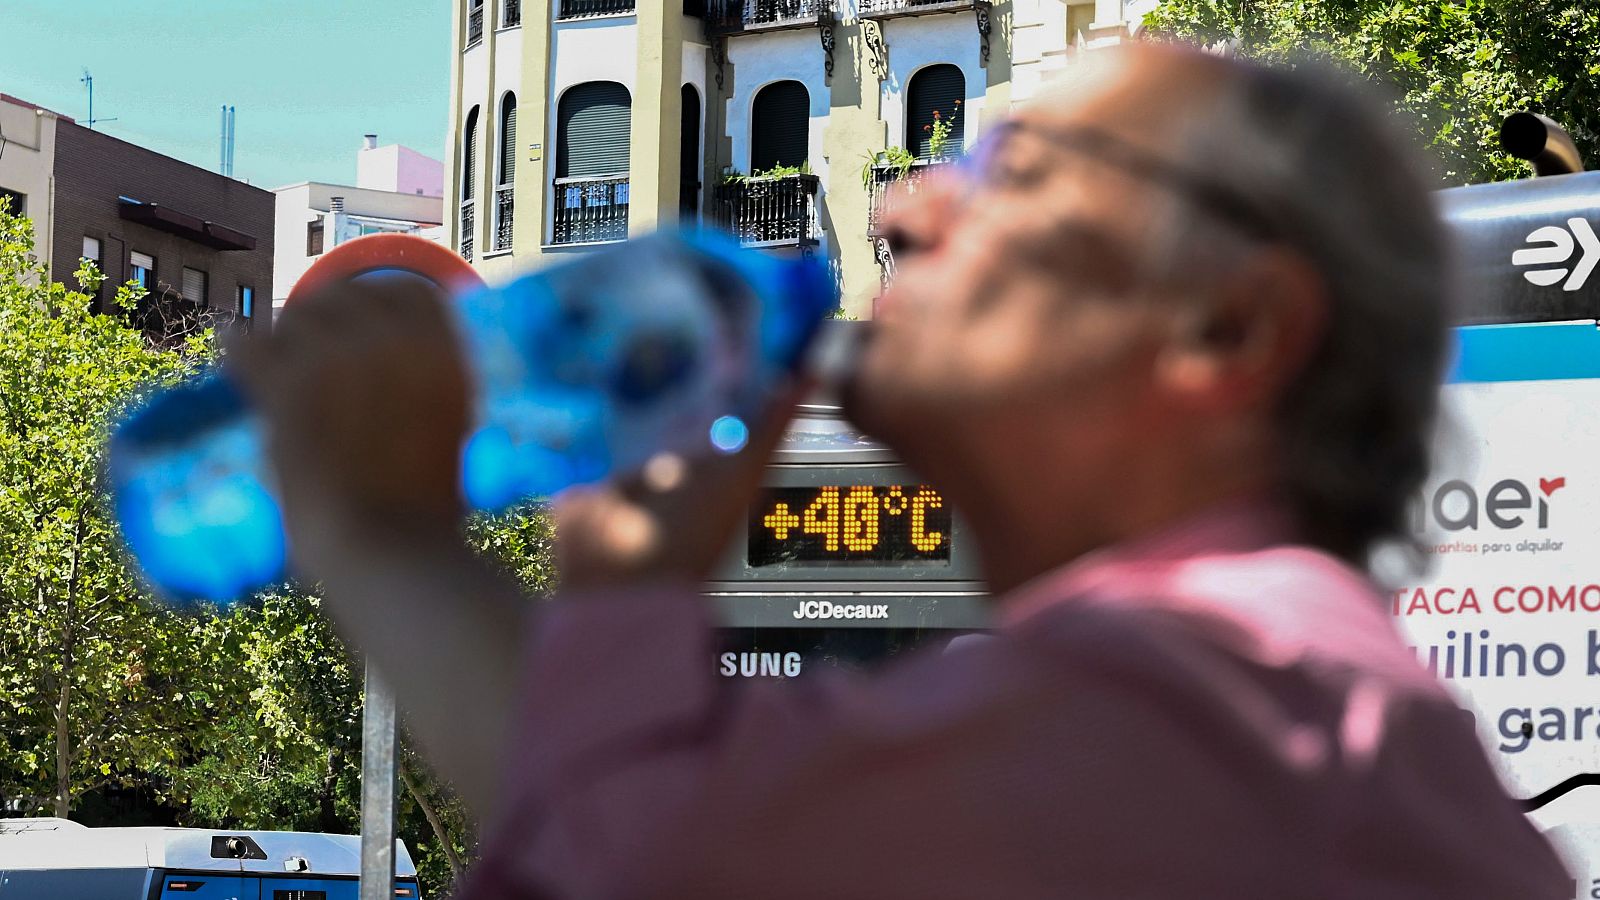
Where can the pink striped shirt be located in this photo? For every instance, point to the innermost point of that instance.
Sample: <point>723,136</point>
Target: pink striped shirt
<point>1208,713</point>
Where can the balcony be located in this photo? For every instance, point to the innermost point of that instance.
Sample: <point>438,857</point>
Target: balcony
<point>591,210</point>
<point>504,208</point>
<point>770,212</point>
<point>513,14</point>
<point>584,9</point>
<point>884,9</point>
<point>735,16</point>
<point>468,227</point>
<point>475,25</point>
<point>890,183</point>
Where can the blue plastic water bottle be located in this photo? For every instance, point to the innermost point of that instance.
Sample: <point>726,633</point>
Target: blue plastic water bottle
<point>582,371</point>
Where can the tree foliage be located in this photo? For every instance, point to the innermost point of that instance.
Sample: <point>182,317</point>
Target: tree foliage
<point>1457,68</point>
<point>96,686</point>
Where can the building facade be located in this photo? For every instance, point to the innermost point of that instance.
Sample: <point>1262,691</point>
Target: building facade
<point>391,196</point>
<point>188,235</point>
<point>579,122</point>
<point>27,163</point>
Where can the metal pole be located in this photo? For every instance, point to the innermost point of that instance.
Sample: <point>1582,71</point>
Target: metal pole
<point>377,790</point>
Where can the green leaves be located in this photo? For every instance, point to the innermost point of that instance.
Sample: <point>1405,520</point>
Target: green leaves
<point>1456,68</point>
<point>89,672</point>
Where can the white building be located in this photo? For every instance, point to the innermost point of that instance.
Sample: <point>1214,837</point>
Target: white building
<point>397,190</point>
<point>27,165</point>
<point>580,122</point>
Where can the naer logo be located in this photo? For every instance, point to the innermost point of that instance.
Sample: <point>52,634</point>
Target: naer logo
<point>1456,505</point>
<point>1555,249</point>
<point>826,609</point>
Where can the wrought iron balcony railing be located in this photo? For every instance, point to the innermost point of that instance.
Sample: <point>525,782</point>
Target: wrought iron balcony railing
<point>580,9</point>
<point>475,25</point>
<point>882,9</point>
<point>468,227</point>
<point>504,208</point>
<point>591,209</point>
<point>770,212</point>
<point>728,16</point>
<point>513,14</point>
<point>890,183</point>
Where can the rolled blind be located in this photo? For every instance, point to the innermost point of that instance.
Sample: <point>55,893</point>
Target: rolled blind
<point>936,88</point>
<point>508,138</point>
<point>593,125</point>
<point>469,156</point>
<point>194,285</point>
<point>780,126</point>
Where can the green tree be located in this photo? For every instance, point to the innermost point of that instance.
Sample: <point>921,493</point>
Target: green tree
<point>95,686</point>
<point>1456,68</point>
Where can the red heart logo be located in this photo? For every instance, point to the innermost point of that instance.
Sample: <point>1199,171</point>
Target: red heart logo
<point>1551,485</point>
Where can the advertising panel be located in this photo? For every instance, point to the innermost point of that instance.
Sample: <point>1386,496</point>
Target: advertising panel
<point>1507,612</point>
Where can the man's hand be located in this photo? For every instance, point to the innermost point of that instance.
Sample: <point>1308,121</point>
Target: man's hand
<point>669,523</point>
<point>365,399</point>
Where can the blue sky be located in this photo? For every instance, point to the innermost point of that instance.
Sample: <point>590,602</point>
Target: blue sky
<point>308,77</point>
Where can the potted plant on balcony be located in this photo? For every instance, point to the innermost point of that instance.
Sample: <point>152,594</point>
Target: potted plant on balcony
<point>939,133</point>
<point>730,175</point>
<point>896,161</point>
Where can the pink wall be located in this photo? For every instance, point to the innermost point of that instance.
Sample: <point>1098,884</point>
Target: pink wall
<point>399,169</point>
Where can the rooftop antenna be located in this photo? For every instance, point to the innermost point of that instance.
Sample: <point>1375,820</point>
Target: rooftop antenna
<point>89,80</point>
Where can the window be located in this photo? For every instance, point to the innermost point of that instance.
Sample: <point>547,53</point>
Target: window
<point>142,270</point>
<point>469,155</point>
<point>513,12</point>
<point>508,138</point>
<point>780,125</point>
<point>91,249</point>
<point>19,202</point>
<point>194,286</point>
<point>689,155</point>
<point>247,301</point>
<point>475,22</point>
<point>593,123</point>
<point>314,237</point>
<point>935,94</point>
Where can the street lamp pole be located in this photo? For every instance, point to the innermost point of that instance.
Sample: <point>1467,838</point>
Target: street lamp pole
<point>377,789</point>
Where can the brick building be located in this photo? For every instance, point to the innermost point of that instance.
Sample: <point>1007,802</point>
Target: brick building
<point>180,230</point>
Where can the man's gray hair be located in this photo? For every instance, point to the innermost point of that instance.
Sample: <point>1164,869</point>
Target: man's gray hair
<point>1334,174</point>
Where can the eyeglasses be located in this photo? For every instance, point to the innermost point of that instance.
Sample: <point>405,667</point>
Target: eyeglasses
<point>980,164</point>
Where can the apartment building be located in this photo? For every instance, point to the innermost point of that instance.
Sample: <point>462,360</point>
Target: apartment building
<point>579,122</point>
<point>186,234</point>
<point>397,191</point>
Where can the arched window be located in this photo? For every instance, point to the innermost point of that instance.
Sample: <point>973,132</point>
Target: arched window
<point>469,155</point>
<point>689,155</point>
<point>593,130</point>
<point>780,126</point>
<point>508,138</point>
<point>935,95</point>
<point>506,161</point>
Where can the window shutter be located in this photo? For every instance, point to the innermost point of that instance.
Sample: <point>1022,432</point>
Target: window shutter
<point>935,88</point>
<point>508,139</point>
<point>780,126</point>
<point>142,261</point>
<point>194,286</point>
<point>593,130</point>
<point>91,248</point>
<point>469,156</point>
